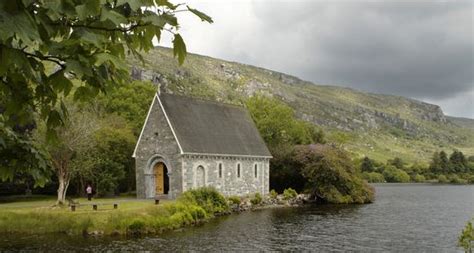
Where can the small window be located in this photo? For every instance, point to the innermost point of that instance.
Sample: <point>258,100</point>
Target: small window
<point>220,170</point>
<point>238,170</point>
<point>255,170</point>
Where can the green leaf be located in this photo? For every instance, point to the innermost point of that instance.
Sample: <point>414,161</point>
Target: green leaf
<point>82,11</point>
<point>82,93</point>
<point>170,19</point>
<point>55,119</point>
<point>89,8</point>
<point>155,20</point>
<point>201,15</point>
<point>166,3</point>
<point>77,68</point>
<point>179,48</point>
<point>134,4</point>
<point>113,16</point>
<point>2,143</point>
<point>88,36</point>
<point>27,3</point>
<point>60,83</point>
<point>21,25</point>
<point>104,57</point>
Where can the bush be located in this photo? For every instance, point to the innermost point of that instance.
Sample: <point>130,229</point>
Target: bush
<point>331,175</point>
<point>137,227</point>
<point>208,198</point>
<point>466,238</point>
<point>289,194</point>
<point>257,199</point>
<point>419,178</point>
<point>273,194</point>
<point>234,200</point>
<point>442,179</point>
<point>394,175</point>
<point>285,169</point>
<point>281,130</point>
<point>373,177</point>
<point>470,179</point>
<point>455,179</point>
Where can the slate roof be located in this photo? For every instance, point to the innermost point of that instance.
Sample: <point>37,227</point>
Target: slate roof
<point>212,128</point>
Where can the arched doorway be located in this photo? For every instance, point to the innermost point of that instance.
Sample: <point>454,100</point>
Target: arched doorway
<point>162,182</point>
<point>200,177</point>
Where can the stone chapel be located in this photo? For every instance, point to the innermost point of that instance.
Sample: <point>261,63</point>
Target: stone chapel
<point>187,143</point>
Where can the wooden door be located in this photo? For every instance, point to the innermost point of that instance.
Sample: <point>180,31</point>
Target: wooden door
<point>159,178</point>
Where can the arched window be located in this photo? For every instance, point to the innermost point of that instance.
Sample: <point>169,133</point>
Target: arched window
<point>220,170</point>
<point>200,176</point>
<point>238,170</point>
<point>255,170</point>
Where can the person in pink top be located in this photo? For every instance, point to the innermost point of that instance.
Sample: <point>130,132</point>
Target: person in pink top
<point>89,192</point>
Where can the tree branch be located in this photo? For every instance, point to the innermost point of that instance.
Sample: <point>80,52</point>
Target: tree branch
<point>50,58</point>
<point>115,29</point>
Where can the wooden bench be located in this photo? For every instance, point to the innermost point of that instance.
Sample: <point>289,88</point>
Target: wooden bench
<point>94,206</point>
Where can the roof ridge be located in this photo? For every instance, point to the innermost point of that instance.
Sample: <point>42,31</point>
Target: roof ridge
<point>200,99</point>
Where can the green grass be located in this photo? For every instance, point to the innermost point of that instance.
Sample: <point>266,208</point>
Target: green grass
<point>41,216</point>
<point>131,217</point>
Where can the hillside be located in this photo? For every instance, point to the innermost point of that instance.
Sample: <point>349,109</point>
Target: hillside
<point>380,126</point>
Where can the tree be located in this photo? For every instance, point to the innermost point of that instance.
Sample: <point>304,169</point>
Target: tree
<point>281,130</point>
<point>130,101</point>
<point>74,138</point>
<point>285,170</point>
<point>444,162</point>
<point>470,158</point>
<point>367,165</point>
<point>435,165</point>
<point>278,125</point>
<point>419,178</point>
<point>458,162</point>
<point>22,155</point>
<point>109,160</point>
<point>373,177</point>
<point>397,162</point>
<point>331,175</point>
<point>48,46</point>
<point>394,175</point>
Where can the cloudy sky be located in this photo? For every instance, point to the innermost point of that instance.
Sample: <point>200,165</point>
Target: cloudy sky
<point>418,49</point>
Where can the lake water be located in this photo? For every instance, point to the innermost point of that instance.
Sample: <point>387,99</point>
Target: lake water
<point>404,217</point>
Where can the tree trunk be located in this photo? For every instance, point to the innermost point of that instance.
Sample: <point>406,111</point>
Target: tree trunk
<point>61,191</point>
<point>63,178</point>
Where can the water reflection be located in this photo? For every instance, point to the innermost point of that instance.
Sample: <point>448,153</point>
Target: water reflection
<point>410,218</point>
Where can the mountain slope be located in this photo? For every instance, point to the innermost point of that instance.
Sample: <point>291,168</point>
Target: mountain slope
<point>380,126</point>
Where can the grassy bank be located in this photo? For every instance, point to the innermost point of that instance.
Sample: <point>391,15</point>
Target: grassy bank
<point>132,216</point>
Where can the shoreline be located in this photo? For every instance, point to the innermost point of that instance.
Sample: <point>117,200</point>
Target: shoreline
<point>132,218</point>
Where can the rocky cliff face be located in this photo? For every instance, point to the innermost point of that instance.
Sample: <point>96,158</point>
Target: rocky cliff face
<point>374,119</point>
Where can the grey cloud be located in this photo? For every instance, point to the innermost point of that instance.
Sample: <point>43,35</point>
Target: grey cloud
<point>411,49</point>
<point>419,49</point>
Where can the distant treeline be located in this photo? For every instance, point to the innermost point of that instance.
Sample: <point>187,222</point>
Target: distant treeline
<point>455,168</point>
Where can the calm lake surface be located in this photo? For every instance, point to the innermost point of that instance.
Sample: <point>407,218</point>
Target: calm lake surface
<point>404,217</point>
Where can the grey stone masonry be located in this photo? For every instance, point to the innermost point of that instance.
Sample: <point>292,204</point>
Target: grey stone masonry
<point>222,173</point>
<point>157,144</point>
<point>230,174</point>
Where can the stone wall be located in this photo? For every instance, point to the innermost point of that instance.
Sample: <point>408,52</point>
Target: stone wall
<point>157,144</point>
<point>228,182</point>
